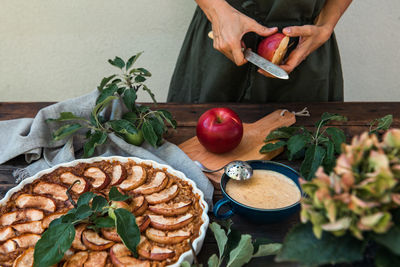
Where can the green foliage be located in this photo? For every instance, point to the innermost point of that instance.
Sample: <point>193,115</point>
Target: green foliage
<point>382,124</point>
<point>153,124</point>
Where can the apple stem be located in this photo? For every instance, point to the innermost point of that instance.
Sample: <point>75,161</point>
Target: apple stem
<point>69,194</point>
<point>196,262</point>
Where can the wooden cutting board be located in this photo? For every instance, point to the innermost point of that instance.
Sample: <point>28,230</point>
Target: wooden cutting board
<point>248,149</point>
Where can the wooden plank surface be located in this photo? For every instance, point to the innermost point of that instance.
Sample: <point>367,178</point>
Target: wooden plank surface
<point>359,115</point>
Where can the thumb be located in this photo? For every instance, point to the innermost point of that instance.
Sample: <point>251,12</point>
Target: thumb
<point>260,29</point>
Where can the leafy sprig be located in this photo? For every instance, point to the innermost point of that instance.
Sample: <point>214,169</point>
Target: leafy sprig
<point>137,124</point>
<point>93,210</point>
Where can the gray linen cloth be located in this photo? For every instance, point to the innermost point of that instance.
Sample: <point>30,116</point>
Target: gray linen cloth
<point>32,138</point>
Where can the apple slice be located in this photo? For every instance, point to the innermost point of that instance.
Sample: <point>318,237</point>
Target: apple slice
<point>167,238</point>
<point>8,247</point>
<point>25,259</point>
<point>120,257</point>
<point>118,174</point>
<point>121,205</point>
<point>99,179</point>
<point>25,215</point>
<point>77,260</point>
<point>163,196</point>
<point>172,209</point>
<point>136,177</point>
<point>48,219</point>
<point>57,191</point>
<point>35,201</point>
<point>139,205</point>
<point>6,233</point>
<point>96,259</point>
<point>274,47</point>
<point>93,241</point>
<point>170,223</point>
<point>158,183</point>
<point>143,222</point>
<point>26,240</point>
<point>29,227</point>
<point>77,242</point>
<point>111,234</point>
<point>69,178</point>
<point>153,252</point>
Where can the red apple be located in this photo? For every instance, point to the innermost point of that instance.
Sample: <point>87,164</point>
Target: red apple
<point>219,130</point>
<point>274,47</point>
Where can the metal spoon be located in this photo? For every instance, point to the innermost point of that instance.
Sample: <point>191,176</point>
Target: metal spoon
<point>237,170</point>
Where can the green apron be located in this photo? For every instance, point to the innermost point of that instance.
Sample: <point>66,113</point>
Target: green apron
<point>203,74</point>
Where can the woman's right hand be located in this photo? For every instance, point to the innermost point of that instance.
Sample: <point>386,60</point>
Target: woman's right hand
<point>229,26</point>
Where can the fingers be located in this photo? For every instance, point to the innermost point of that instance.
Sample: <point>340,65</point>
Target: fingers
<point>294,59</point>
<point>266,74</point>
<point>254,26</point>
<point>296,31</point>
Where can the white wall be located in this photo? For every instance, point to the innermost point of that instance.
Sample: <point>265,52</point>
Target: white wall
<point>53,50</point>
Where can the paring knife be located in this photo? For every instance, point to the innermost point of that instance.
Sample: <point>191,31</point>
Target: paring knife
<point>261,62</point>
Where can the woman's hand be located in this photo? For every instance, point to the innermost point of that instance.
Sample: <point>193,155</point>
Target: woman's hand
<point>229,26</point>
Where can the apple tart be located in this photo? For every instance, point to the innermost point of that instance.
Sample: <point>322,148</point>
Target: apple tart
<point>170,213</point>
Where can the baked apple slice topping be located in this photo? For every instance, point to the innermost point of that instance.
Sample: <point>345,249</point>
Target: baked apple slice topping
<point>35,201</point>
<point>77,242</point>
<point>121,257</point>
<point>143,222</point>
<point>118,174</point>
<point>98,178</point>
<point>48,219</point>
<point>163,196</point>
<point>158,183</point>
<point>77,260</point>
<point>161,237</point>
<point>19,215</point>
<point>170,223</point>
<point>8,247</point>
<point>29,227</point>
<point>111,234</point>
<point>153,252</point>
<point>171,209</point>
<point>26,240</point>
<point>70,178</point>
<point>6,233</point>
<point>139,205</point>
<point>25,259</point>
<point>93,241</point>
<point>57,191</point>
<point>136,177</point>
<point>96,259</point>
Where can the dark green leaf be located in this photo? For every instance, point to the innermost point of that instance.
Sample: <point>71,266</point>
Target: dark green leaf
<point>242,253</point>
<point>381,124</point>
<point>109,91</point>
<point>97,138</point>
<point>140,79</point>
<point>329,159</point>
<point>337,136</point>
<point>117,62</point>
<point>55,222</point>
<point>233,240</point>
<point>327,117</point>
<point>313,159</point>
<point>99,203</point>
<point>168,117</point>
<point>260,241</point>
<point>384,258</point>
<point>145,88</point>
<point>148,133</point>
<point>272,146</point>
<point>127,229</point>
<point>129,98</point>
<point>295,144</point>
<point>130,116</point>
<point>282,133</point>
<point>66,116</point>
<point>267,250</point>
<point>132,60</point>
<point>101,105</point>
<point>144,72</point>
<point>66,130</point>
<point>302,246</point>
<point>104,222</point>
<point>227,224</point>
<point>143,109</point>
<point>85,198</point>
<point>123,127</point>
<point>158,129</point>
<point>104,82</point>
<point>70,217</point>
<point>53,244</point>
<point>115,195</point>
<point>83,212</point>
<point>220,237</point>
<point>390,240</point>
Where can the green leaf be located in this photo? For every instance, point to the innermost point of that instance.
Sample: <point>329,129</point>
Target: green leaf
<point>104,222</point>
<point>234,237</point>
<point>115,195</point>
<point>381,124</point>
<point>127,229</point>
<point>140,79</point>
<point>99,203</point>
<point>97,138</point>
<point>213,261</point>
<point>101,105</point>
<point>144,72</point>
<point>66,130</point>
<point>337,136</point>
<point>185,264</point>
<point>148,133</point>
<point>130,116</point>
<point>295,144</point>
<point>66,116</point>
<point>302,246</point>
<point>83,212</point>
<point>242,253</point>
<point>168,117</point>
<point>117,62</point>
<point>227,224</point>
<point>327,117</point>
<point>329,161</point>
<point>390,240</point>
<point>158,128</point>
<point>267,250</point>
<point>129,98</point>
<point>109,91</point>
<point>123,127</point>
<point>132,60</point>
<point>145,88</point>
<point>272,146</point>
<point>53,244</point>
<point>220,237</point>
<point>384,258</point>
<point>85,198</point>
<point>104,82</point>
<point>282,133</point>
<point>312,160</point>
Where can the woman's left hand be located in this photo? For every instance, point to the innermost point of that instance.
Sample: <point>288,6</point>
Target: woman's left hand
<point>311,38</point>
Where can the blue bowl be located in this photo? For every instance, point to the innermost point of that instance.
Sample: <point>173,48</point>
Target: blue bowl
<point>255,214</point>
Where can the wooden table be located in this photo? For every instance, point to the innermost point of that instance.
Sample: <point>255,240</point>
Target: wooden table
<point>359,115</point>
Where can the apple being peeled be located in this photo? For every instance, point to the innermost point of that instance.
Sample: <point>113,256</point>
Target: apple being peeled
<point>274,47</point>
<point>219,130</point>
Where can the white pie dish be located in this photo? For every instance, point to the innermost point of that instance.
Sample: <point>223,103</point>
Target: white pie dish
<point>197,243</point>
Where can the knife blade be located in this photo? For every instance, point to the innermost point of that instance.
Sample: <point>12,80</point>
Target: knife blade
<point>265,65</point>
